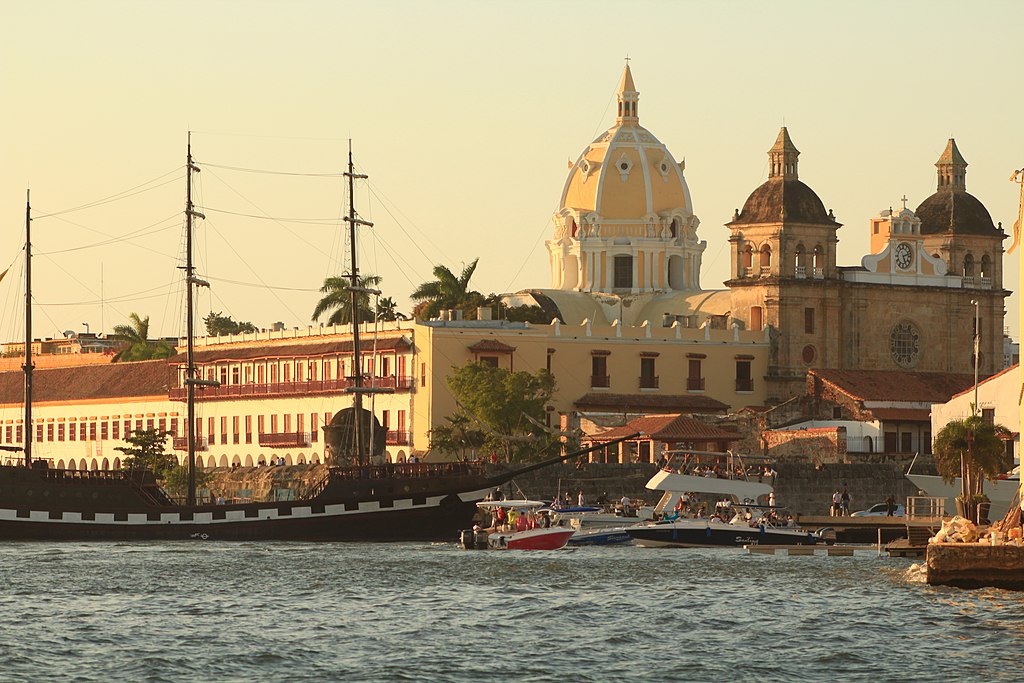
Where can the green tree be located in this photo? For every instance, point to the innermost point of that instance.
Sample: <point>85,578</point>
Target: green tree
<point>136,344</point>
<point>387,310</point>
<point>508,407</point>
<point>459,436</point>
<point>147,450</point>
<point>338,299</point>
<point>223,324</point>
<point>971,449</point>
<point>445,291</point>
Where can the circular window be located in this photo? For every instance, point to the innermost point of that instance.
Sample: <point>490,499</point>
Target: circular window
<point>808,354</point>
<point>664,168</point>
<point>905,344</point>
<point>624,166</point>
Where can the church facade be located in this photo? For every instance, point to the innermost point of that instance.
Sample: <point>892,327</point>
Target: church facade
<point>625,251</point>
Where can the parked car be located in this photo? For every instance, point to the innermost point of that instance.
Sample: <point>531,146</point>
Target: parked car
<point>880,510</point>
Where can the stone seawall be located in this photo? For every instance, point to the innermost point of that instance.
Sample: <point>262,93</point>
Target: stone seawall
<point>801,487</point>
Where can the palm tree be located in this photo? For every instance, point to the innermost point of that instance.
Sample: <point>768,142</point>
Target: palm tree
<point>338,299</point>
<point>971,449</point>
<point>445,291</point>
<point>136,343</point>
<point>387,310</point>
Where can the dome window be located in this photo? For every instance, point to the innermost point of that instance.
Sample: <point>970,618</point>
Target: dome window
<point>624,166</point>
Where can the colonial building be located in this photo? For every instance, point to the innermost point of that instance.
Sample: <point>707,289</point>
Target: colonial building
<point>626,251</point>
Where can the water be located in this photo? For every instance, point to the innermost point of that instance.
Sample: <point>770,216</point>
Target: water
<point>418,612</point>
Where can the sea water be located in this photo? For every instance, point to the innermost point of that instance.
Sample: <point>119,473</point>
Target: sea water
<point>204,611</point>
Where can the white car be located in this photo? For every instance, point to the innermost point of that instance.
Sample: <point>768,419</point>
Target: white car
<point>880,510</point>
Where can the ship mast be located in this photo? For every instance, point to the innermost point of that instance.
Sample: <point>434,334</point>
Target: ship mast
<point>355,290</point>
<point>191,379</point>
<point>27,367</point>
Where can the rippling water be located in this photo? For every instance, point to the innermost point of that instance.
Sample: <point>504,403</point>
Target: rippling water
<point>415,612</point>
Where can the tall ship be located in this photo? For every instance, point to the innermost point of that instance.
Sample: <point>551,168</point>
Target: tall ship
<point>362,501</point>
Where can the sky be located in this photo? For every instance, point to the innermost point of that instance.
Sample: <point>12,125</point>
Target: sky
<point>464,115</point>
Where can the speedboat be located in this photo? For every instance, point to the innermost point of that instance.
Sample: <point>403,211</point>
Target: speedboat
<point>595,526</point>
<point>750,522</point>
<point>529,534</point>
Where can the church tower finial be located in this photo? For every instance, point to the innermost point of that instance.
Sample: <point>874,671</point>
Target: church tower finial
<point>782,157</point>
<point>628,98</point>
<point>952,169</point>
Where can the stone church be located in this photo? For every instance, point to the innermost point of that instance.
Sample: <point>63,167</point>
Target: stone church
<point>626,248</point>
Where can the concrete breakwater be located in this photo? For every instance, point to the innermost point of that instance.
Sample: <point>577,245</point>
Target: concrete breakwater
<point>802,488</point>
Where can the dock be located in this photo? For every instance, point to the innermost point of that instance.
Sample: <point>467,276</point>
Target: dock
<point>811,550</point>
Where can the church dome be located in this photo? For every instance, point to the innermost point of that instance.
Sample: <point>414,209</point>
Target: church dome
<point>783,197</point>
<point>777,200</point>
<point>626,173</point>
<point>952,208</point>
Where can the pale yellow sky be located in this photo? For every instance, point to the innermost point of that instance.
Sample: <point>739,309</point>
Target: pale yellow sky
<point>464,114</point>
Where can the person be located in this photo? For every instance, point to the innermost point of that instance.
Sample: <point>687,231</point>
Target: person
<point>499,494</point>
<point>603,498</point>
<point>624,502</point>
<point>771,499</point>
<point>521,521</point>
<point>845,498</point>
<point>580,500</point>
<point>890,506</point>
<point>679,506</point>
<point>837,502</point>
<point>545,520</point>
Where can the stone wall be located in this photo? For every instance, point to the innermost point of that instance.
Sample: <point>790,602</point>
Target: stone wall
<point>816,445</point>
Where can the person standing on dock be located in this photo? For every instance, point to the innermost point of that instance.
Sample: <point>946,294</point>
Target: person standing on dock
<point>846,502</point>
<point>890,506</point>
<point>837,502</point>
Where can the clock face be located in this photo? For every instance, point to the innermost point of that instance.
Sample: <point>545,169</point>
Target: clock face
<point>904,255</point>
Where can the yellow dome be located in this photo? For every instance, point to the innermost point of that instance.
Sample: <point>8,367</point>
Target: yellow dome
<point>626,173</point>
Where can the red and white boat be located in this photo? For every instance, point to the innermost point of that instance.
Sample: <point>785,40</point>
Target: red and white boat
<point>528,531</point>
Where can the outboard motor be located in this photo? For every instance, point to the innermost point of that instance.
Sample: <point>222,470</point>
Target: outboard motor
<point>467,539</point>
<point>480,539</point>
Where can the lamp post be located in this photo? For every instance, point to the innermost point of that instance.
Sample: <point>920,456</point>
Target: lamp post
<point>977,345</point>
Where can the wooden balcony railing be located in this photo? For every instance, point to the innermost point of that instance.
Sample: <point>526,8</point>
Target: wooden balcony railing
<point>180,443</point>
<point>229,391</point>
<point>284,439</point>
<point>695,384</point>
<point>744,384</point>
<point>648,382</point>
<point>398,438</point>
<point>600,381</point>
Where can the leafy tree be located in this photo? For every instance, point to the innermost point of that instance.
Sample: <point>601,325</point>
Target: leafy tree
<point>508,407</point>
<point>459,436</point>
<point>147,451</point>
<point>136,344</point>
<point>338,299</point>
<point>223,324</point>
<point>387,310</point>
<point>526,314</point>
<point>971,449</point>
<point>445,291</point>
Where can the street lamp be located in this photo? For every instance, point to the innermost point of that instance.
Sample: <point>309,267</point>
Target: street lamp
<point>977,344</point>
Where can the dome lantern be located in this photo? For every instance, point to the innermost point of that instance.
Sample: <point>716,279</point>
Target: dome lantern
<point>628,99</point>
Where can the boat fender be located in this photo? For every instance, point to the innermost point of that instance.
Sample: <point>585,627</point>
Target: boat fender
<point>707,531</point>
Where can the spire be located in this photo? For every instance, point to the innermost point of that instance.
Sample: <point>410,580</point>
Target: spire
<point>782,157</point>
<point>952,169</point>
<point>628,97</point>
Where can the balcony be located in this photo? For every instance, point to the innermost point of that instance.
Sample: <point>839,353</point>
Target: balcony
<point>801,272</point>
<point>695,384</point>
<point>600,381</point>
<point>818,274</point>
<point>744,384</point>
<point>180,443</point>
<point>284,439</point>
<point>229,391</point>
<point>648,382</point>
<point>766,271</point>
<point>398,438</point>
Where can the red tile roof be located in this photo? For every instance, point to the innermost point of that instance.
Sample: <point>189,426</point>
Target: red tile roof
<point>886,385</point>
<point>85,382</point>
<point>987,379</point>
<point>491,345</point>
<point>902,414</point>
<point>669,428</point>
<point>273,350</point>
<point>647,403</point>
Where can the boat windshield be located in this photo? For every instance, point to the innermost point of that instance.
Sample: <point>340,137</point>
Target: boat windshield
<point>726,465</point>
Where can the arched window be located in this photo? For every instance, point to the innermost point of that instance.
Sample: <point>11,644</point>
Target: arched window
<point>798,262</point>
<point>748,259</point>
<point>766,259</point>
<point>819,261</point>
<point>969,266</point>
<point>986,266</point>
<point>674,227</point>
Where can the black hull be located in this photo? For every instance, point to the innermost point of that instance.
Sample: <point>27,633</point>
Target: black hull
<point>718,536</point>
<point>413,504</point>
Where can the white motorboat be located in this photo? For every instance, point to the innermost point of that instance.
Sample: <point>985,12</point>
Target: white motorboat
<point>595,526</point>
